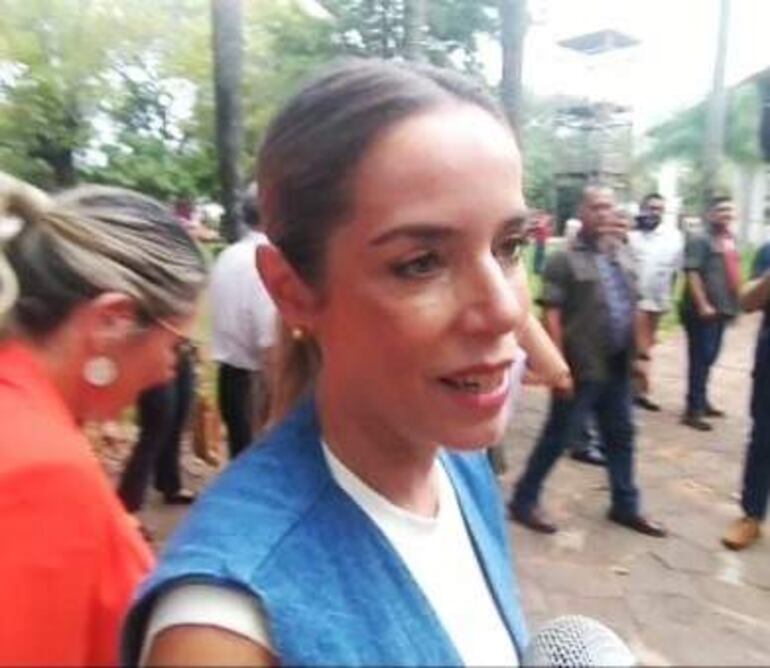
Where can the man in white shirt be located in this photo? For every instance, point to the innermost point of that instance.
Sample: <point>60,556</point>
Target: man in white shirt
<point>657,250</point>
<point>244,332</point>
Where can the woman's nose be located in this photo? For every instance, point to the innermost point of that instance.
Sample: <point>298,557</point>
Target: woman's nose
<point>495,306</point>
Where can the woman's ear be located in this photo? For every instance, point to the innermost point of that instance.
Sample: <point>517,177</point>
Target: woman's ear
<point>296,301</point>
<point>109,319</point>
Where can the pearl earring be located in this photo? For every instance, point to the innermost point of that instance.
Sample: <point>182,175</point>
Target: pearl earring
<point>298,334</point>
<point>100,371</point>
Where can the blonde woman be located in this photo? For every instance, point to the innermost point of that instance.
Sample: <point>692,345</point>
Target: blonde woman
<point>98,289</point>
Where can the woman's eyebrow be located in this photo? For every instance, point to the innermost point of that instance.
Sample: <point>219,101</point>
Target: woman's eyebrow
<point>415,231</point>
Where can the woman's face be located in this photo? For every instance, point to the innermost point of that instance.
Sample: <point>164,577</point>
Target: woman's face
<point>424,289</point>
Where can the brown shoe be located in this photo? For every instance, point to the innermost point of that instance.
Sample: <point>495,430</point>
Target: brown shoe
<point>647,403</point>
<point>639,523</point>
<point>533,519</point>
<point>713,412</point>
<point>742,533</point>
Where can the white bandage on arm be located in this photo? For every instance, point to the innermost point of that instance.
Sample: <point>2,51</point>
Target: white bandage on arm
<point>208,605</point>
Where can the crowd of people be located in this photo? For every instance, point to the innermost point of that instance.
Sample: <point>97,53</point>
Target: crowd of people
<point>603,299</point>
<point>370,332</point>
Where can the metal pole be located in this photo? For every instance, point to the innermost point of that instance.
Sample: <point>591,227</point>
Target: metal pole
<point>717,109</point>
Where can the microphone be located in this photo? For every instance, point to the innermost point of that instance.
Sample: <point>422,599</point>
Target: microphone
<point>575,640</point>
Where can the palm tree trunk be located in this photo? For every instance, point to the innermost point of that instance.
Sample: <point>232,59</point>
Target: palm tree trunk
<point>227,35</point>
<point>513,19</point>
<point>415,19</point>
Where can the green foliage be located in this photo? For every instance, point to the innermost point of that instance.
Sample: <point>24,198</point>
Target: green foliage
<point>539,153</point>
<point>122,92</point>
<point>53,83</point>
<point>282,47</point>
<point>682,138</point>
<point>146,164</point>
<point>742,132</point>
<point>375,28</point>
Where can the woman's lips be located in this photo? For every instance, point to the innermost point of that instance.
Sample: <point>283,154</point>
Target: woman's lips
<point>480,389</point>
<point>476,383</point>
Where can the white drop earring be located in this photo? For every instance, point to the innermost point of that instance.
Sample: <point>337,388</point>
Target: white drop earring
<point>100,371</point>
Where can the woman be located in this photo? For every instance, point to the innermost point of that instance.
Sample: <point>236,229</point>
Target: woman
<point>98,287</point>
<point>366,529</point>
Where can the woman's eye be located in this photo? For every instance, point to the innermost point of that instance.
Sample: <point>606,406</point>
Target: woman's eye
<point>418,267</point>
<point>511,248</point>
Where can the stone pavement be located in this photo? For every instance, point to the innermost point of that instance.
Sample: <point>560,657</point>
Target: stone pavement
<point>682,600</point>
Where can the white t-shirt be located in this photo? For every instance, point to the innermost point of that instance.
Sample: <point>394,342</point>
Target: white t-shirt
<point>243,314</point>
<point>437,551</point>
<point>658,255</point>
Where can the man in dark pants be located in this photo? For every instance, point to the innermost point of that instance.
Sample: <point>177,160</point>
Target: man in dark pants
<point>589,301</point>
<point>756,467</point>
<point>163,412</point>
<point>710,302</point>
<point>243,332</point>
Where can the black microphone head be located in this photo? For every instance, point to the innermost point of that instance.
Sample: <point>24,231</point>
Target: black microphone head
<point>574,640</point>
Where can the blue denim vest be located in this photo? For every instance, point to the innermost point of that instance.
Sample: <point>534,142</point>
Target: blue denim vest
<point>335,591</point>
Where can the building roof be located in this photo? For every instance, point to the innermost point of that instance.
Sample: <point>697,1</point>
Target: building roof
<point>761,75</point>
<point>601,41</point>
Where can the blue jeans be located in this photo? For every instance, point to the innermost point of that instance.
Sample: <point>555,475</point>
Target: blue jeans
<point>756,467</point>
<point>610,402</point>
<point>704,341</point>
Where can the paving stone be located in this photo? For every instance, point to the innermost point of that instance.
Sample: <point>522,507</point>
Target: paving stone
<point>573,579</point>
<point>679,555</point>
<point>741,599</point>
<point>686,645</point>
<point>649,575</point>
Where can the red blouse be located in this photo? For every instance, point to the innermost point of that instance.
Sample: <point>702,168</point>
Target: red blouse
<point>71,557</point>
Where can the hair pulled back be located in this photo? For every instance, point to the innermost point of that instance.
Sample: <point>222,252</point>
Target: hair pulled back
<point>58,252</point>
<point>307,162</point>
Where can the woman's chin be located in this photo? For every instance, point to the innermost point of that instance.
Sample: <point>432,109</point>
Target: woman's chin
<point>477,437</point>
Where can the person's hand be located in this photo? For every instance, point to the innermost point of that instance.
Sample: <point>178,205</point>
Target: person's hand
<point>532,378</point>
<point>707,312</point>
<point>563,385</point>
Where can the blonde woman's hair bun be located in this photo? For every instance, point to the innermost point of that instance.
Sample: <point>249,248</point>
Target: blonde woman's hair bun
<point>20,203</point>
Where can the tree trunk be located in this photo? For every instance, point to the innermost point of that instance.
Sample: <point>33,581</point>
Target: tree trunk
<point>227,36</point>
<point>513,20</point>
<point>415,19</point>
